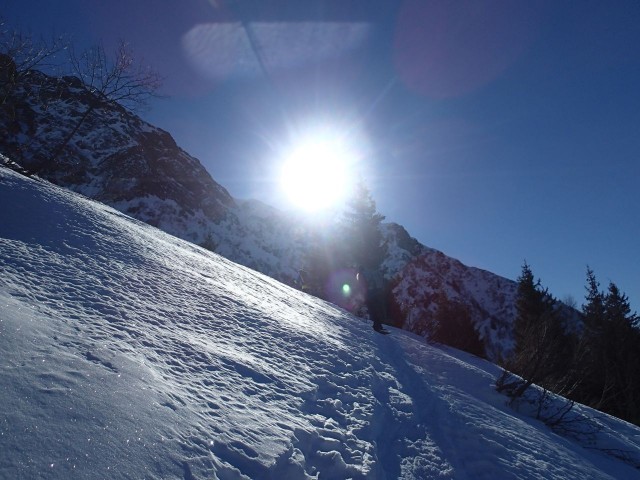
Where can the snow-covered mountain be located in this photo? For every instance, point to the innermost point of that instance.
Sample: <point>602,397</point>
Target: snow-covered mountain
<point>114,157</point>
<point>129,353</point>
<point>122,161</point>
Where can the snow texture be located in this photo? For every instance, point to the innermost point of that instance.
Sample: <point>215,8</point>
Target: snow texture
<point>120,160</point>
<point>128,353</point>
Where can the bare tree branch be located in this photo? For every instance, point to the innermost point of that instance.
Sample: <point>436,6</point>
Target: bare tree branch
<point>120,79</point>
<point>21,54</point>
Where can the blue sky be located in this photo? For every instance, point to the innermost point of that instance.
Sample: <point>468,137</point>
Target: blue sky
<point>497,131</point>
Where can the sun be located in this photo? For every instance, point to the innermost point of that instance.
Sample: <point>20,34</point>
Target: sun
<point>316,173</point>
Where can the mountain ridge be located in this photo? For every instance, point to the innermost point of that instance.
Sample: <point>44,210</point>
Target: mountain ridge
<point>123,161</point>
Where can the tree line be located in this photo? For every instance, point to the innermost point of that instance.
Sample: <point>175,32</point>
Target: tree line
<point>591,356</point>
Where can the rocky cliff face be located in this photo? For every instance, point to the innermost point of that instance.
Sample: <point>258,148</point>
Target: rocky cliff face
<point>430,282</point>
<point>114,156</point>
<point>117,158</point>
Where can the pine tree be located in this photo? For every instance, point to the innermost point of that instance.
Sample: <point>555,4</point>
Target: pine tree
<point>528,306</point>
<point>622,360</point>
<point>364,249</point>
<point>591,354</point>
<point>618,309</point>
<point>540,339</point>
<point>593,310</point>
<point>363,242</point>
<point>609,353</point>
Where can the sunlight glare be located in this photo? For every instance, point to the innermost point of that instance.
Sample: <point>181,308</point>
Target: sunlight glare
<point>316,174</point>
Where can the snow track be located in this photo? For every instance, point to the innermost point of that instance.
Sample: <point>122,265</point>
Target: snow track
<point>127,353</point>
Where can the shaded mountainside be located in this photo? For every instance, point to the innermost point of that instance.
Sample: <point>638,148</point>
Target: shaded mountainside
<point>431,283</point>
<point>114,157</point>
<point>117,158</point>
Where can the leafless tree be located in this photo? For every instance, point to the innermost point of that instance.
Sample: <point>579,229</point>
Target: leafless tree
<point>20,54</point>
<point>119,78</point>
<point>27,51</point>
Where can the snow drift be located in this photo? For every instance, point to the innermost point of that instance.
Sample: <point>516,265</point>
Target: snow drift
<point>128,353</point>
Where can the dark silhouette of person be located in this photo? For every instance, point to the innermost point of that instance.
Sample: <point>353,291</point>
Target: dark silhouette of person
<point>374,295</point>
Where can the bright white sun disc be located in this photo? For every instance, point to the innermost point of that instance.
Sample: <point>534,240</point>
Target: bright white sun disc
<point>315,175</point>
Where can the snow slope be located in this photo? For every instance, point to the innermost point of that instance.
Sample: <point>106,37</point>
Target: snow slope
<point>127,353</point>
<point>117,158</point>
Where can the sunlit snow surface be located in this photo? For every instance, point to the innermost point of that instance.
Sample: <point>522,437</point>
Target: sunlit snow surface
<point>126,353</point>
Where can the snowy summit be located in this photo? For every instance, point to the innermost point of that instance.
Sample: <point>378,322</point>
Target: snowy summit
<point>128,353</point>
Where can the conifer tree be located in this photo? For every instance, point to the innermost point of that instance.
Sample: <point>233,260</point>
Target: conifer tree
<point>540,340</point>
<point>621,361</point>
<point>529,306</point>
<point>593,309</point>
<point>363,242</point>
<point>609,353</point>
<point>362,247</point>
<point>591,354</point>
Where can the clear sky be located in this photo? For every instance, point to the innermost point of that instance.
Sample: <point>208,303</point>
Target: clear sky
<point>495,131</point>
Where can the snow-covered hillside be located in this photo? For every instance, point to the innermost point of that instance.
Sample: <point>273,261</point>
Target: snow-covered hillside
<point>127,353</point>
<point>113,156</point>
<point>117,158</point>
